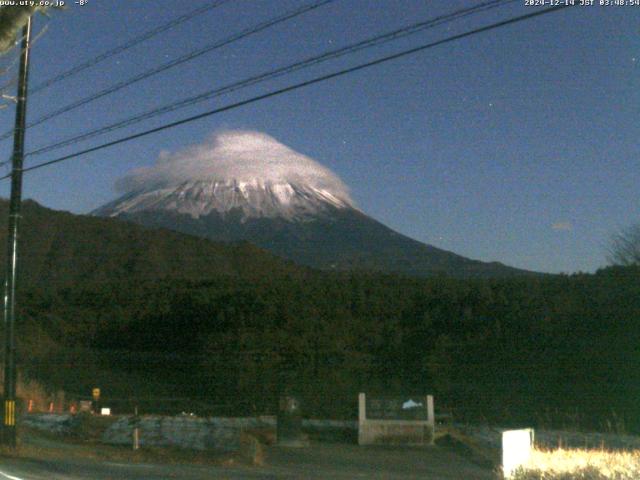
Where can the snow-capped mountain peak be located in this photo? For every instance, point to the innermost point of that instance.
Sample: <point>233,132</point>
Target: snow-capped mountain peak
<point>254,199</point>
<point>246,186</point>
<point>244,171</point>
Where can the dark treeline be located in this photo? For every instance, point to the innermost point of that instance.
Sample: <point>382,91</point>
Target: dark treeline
<point>548,351</point>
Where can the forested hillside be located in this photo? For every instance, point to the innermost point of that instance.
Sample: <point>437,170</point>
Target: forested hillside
<point>556,351</point>
<point>151,314</point>
<point>62,249</point>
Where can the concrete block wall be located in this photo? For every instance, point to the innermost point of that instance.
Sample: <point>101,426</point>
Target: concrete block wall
<point>218,433</point>
<point>186,432</point>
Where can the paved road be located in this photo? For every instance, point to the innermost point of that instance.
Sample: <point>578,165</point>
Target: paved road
<point>18,469</point>
<point>326,461</point>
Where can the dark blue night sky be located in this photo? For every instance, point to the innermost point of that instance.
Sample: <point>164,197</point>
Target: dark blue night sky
<point>518,145</point>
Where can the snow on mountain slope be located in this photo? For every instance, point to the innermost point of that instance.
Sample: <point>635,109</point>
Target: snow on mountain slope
<point>233,170</point>
<point>255,199</point>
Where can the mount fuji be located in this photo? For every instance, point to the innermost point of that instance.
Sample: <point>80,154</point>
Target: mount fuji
<point>246,186</point>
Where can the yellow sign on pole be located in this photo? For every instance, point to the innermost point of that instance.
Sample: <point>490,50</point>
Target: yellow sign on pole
<point>96,394</point>
<point>10,413</point>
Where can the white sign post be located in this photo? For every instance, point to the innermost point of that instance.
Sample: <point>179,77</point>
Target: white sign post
<point>516,450</point>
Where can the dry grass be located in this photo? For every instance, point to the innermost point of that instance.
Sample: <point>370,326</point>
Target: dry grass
<point>251,450</point>
<point>564,464</point>
<point>31,390</point>
<point>89,428</point>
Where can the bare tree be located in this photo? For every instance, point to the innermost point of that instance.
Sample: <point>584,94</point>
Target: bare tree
<point>625,247</point>
<point>12,19</point>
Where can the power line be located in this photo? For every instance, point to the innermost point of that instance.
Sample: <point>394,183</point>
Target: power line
<point>175,62</point>
<point>127,45</point>
<point>297,86</point>
<point>110,53</point>
<point>330,55</point>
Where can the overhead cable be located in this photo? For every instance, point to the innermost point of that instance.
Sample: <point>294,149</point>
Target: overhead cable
<point>308,62</point>
<point>300,85</point>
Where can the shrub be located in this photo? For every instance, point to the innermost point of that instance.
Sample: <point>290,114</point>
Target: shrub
<point>564,464</point>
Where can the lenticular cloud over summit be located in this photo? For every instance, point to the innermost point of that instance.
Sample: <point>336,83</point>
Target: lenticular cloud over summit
<point>242,173</point>
<point>243,157</point>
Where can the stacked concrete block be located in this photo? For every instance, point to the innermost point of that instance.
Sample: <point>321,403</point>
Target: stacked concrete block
<point>185,431</point>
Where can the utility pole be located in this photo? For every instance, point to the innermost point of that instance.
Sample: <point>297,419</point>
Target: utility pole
<point>10,372</point>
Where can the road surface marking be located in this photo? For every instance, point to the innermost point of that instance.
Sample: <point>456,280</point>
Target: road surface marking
<point>10,477</point>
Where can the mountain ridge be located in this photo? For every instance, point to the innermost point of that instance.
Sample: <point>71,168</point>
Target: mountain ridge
<point>319,232</point>
<point>246,185</point>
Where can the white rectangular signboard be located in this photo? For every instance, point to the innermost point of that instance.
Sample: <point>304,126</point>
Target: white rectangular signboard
<point>516,449</point>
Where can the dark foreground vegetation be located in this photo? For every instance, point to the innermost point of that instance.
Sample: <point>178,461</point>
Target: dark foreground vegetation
<point>173,323</point>
<point>557,351</point>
